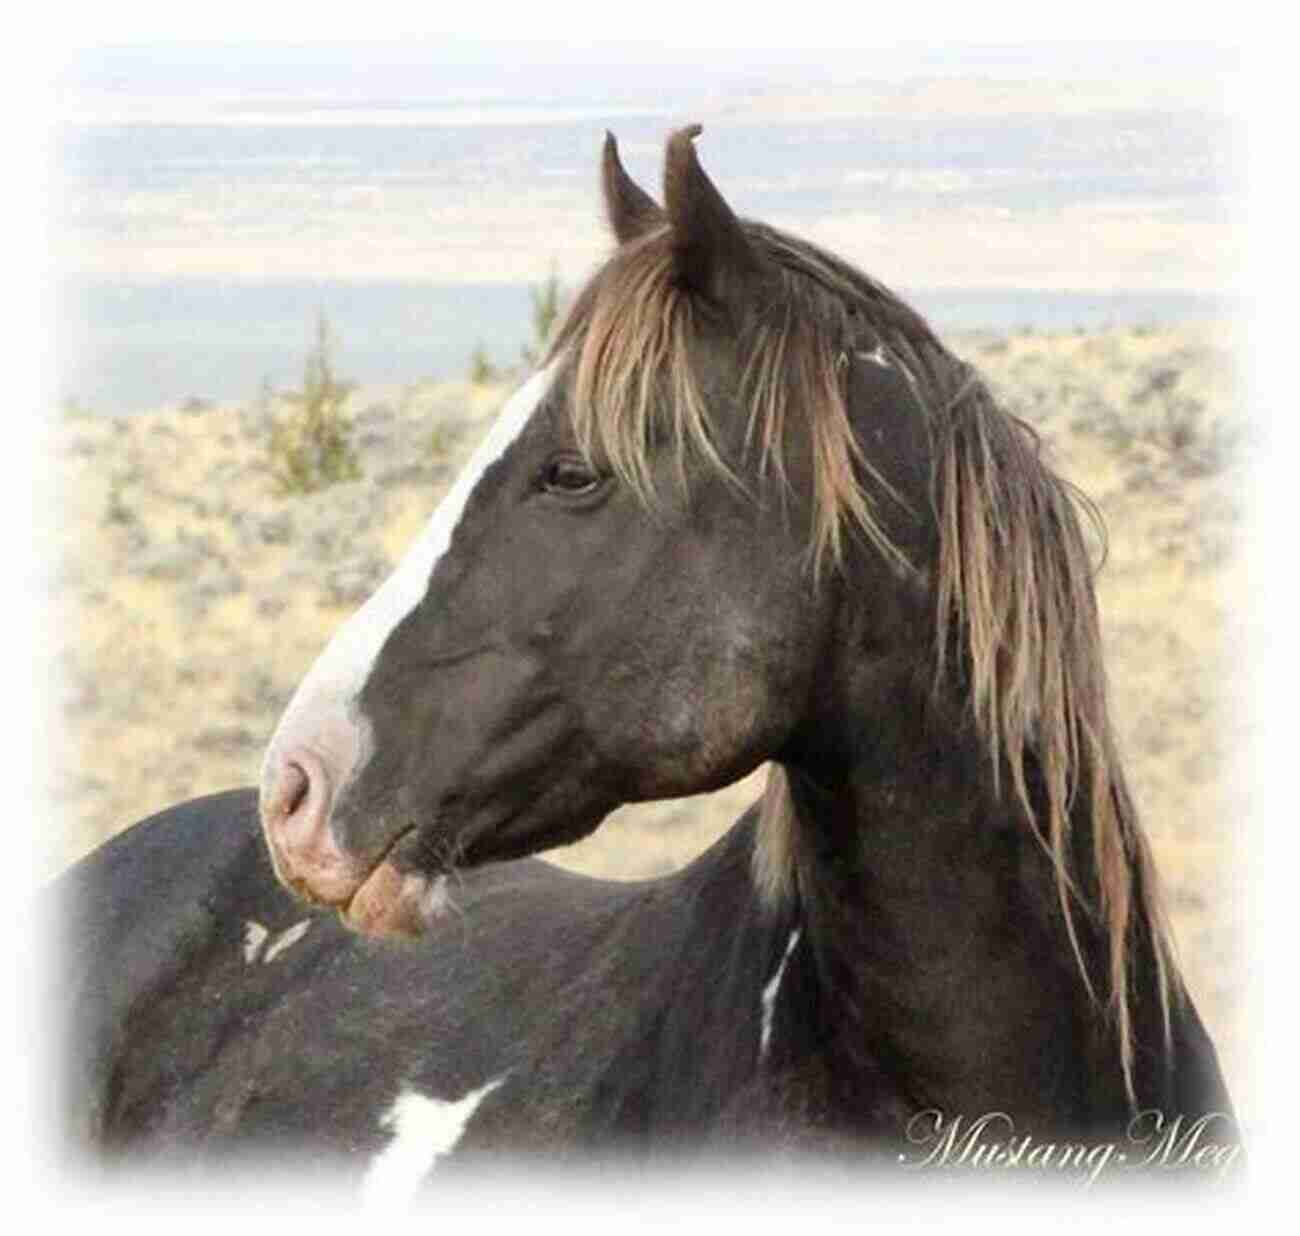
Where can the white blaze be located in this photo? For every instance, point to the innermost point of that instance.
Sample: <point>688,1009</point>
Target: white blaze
<point>334,682</point>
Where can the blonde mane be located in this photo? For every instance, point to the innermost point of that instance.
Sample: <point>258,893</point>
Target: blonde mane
<point>1015,616</point>
<point>631,331</point>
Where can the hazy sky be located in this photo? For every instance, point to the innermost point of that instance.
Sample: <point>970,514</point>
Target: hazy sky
<point>670,23</point>
<point>397,67</point>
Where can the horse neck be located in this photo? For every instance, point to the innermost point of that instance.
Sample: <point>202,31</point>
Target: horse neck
<point>935,932</point>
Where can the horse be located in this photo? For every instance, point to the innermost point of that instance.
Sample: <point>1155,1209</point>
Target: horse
<point>749,510</point>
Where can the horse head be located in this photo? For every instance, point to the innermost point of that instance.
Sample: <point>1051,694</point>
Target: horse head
<point>631,591</point>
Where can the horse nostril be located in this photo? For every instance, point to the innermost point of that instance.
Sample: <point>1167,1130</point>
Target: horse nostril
<point>296,823</point>
<point>287,789</point>
<point>301,774</point>
<point>295,786</point>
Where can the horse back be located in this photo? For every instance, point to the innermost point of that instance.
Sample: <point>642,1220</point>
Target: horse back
<point>203,1008</point>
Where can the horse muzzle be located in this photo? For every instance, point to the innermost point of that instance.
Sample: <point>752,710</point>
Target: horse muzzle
<point>372,897</point>
<point>297,799</point>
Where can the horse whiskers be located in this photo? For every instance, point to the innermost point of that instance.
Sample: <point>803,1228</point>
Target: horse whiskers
<point>447,854</point>
<point>450,902</point>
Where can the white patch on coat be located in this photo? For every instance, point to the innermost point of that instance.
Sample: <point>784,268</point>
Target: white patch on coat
<point>436,901</point>
<point>877,356</point>
<point>424,1130</point>
<point>254,937</point>
<point>769,996</point>
<point>334,682</point>
<point>880,355</point>
<point>286,939</point>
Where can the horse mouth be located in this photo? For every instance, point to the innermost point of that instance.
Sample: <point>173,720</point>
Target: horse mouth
<point>390,902</point>
<point>385,901</point>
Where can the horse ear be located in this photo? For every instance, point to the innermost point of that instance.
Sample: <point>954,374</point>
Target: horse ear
<point>632,211</point>
<point>710,246</point>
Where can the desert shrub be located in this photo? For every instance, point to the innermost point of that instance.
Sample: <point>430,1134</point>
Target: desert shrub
<point>311,448</point>
<point>547,300</point>
<point>481,369</point>
<point>116,510</point>
<point>1182,425</point>
<point>442,437</point>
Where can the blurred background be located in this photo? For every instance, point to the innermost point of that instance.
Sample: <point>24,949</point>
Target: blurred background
<point>210,199</point>
<point>375,237</point>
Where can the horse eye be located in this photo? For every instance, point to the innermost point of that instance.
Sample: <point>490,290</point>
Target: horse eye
<point>570,476</point>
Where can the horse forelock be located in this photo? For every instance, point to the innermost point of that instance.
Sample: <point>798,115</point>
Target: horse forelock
<point>632,335</point>
<point>1015,619</point>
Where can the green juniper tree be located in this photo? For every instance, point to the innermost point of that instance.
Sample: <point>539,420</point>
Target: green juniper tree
<point>547,300</point>
<point>312,447</point>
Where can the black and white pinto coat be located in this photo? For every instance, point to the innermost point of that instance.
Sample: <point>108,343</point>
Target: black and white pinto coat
<point>561,1015</point>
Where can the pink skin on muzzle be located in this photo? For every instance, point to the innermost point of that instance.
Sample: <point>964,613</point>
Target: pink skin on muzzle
<point>297,797</point>
<point>296,802</point>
